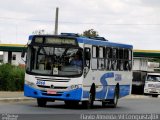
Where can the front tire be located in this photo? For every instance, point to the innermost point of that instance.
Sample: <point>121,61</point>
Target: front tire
<point>71,103</point>
<point>41,102</point>
<point>89,104</point>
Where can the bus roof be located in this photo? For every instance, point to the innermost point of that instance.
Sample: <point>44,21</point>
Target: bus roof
<point>103,43</point>
<point>91,41</point>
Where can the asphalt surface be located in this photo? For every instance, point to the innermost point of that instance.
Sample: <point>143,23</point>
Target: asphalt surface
<point>14,104</point>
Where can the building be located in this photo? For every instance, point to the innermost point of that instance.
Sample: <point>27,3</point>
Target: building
<point>142,57</point>
<point>141,66</point>
<point>12,53</point>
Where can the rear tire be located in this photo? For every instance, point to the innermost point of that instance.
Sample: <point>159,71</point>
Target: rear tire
<point>41,102</point>
<point>114,101</point>
<point>104,103</point>
<point>154,95</point>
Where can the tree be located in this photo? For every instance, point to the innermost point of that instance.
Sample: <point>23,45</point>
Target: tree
<point>90,33</point>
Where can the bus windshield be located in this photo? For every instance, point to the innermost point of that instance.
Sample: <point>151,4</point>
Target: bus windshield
<point>57,61</point>
<point>153,78</point>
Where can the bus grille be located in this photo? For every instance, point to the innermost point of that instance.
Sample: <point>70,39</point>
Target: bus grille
<point>51,94</point>
<point>55,87</point>
<point>154,85</point>
<point>52,79</point>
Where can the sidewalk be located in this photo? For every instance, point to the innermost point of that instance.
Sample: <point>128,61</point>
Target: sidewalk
<point>13,97</point>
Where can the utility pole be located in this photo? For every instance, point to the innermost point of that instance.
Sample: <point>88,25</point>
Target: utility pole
<point>56,22</point>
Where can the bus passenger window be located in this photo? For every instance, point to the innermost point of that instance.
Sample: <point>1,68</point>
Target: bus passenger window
<point>101,58</point>
<point>126,54</point>
<point>128,60</point>
<point>95,57</point>
<point>108,58</point>
<point>87,57</point>
<point>121,59</point>
<point>94,52</point>
<point>121,65</point>
<point>114,64</point>
<point>114,59</point>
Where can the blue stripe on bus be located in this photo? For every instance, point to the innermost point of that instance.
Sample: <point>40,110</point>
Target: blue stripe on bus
<point>102,43</point>
<point>124,90</point>
<point>111,91</point>
<point>69,95</point>
<point>101,94</point>
<point>108,91</point>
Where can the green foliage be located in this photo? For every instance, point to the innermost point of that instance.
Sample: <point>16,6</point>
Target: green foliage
<point>90,33</point>
<point>11,78</point>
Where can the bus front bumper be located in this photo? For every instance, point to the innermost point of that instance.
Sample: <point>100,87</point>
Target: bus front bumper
<point>151,91</point>
<point>75,94</point>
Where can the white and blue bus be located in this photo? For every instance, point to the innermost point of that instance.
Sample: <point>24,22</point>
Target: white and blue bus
<point>105,73</point>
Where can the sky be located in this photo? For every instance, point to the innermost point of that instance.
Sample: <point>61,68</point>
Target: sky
<point>135,22</point>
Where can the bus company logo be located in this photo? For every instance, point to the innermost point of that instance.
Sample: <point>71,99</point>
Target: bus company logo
<point>118,77</point>
<point>52,86</point>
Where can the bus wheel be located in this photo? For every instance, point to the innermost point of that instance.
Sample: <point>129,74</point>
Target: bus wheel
<point>88,104</point>
<point>41,102</point>
<point>71,103</point>
<point>114,101</point>
<point>104,104</point>
<point>154,95</point>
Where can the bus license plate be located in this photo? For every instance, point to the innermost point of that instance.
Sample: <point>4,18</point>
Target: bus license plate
<point>51,92</point>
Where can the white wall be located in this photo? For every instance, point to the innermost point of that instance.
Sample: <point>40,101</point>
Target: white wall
<point>140,64</point>
<point>5,57</point>
<point>18,58</point>
<point>17,61</point>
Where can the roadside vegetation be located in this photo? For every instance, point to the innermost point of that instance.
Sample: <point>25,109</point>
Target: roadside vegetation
<point>11,77</point>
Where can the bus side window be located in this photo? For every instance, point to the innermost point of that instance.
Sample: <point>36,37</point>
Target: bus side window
<point>114,59</point>
<point>128,59</point>
<point>95,54</point>
<point>121,59</point>
<point>87,57</point>
<point>108,58</point>
<point>101,63</point>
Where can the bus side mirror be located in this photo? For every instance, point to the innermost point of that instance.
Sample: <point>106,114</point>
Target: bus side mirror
<point>87,53</point>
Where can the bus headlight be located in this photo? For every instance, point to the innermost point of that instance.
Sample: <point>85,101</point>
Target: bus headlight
<point>72,87</point>
<point>30,83</point>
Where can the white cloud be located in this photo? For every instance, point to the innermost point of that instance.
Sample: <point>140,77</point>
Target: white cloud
<point>20,18</point>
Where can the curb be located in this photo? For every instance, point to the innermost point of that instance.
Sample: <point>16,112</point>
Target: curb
<point>21,99</point>
<point>138,97</point>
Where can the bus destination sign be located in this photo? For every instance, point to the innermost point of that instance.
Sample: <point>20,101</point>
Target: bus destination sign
<point>59,41</point>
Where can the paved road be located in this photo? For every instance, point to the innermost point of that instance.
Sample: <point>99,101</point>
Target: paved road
<point>125,106</point>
